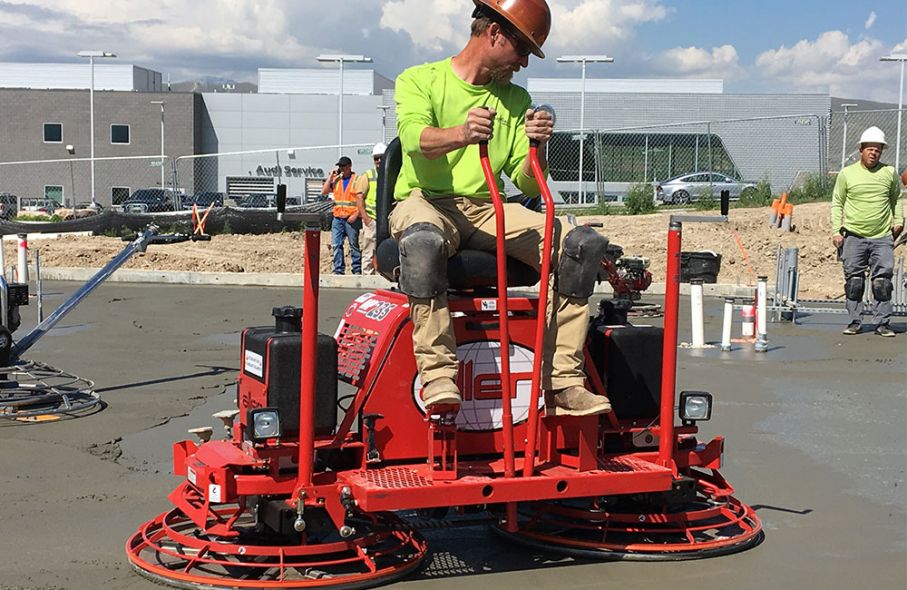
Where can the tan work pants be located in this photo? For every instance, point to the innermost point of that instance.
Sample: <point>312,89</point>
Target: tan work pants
<point>469,223</point>
<point>367,246</point>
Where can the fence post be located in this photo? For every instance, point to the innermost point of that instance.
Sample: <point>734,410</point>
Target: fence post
<point>708,128</point>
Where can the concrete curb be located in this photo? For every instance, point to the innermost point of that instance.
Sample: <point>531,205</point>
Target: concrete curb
<point>363,282</point>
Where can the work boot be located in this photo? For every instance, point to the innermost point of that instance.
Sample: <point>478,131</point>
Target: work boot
<point>441,392</point>
<point>852,328</point>
<point>885,330</point>
<point>576,401</point>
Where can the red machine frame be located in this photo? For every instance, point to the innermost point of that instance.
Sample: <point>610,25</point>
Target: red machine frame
<point>562,492</point>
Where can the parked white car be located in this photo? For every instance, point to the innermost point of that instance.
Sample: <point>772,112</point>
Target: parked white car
<point>689,187</point>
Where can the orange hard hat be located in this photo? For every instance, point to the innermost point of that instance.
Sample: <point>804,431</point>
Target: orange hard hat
<point>530,18</point>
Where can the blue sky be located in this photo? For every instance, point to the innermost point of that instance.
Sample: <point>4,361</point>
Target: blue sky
<point>755,46</point>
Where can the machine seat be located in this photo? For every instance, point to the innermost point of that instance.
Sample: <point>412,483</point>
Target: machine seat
<point>467,269</point>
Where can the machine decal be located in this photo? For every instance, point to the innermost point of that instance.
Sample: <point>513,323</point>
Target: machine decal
<point>479,380</point>
<point>215,493</point>
<point>489,305</point>
<point>357,302</point>
<point>376,310</point>
<point>254,364</point>
<point>190,475</point>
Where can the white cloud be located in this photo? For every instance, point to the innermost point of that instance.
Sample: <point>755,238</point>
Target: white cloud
<point>231,38</point>
<point>600,24</point>
<point>720,62</point>
<point>436,24</point>
<point>431,24</point>
<point>870,20</point>
<point>831,63</point>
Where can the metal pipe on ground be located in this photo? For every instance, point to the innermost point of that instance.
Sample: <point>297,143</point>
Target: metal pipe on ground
<point>137,245</point>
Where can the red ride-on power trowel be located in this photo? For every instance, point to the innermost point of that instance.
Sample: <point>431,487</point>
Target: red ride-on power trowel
<point>295,500</point>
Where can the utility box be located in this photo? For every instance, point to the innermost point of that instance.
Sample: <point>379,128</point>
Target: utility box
<point>699,265</point>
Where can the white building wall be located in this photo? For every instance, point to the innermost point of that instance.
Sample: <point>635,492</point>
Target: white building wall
<point>77,76</point>
<point>626,85</point>
<point>287,126</point>
<point>316,81</point>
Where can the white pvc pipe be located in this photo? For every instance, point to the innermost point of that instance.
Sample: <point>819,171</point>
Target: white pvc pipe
<point>696,313</point>
<point>23,259</point>
<point>761,334</point>
<point>726,326</point>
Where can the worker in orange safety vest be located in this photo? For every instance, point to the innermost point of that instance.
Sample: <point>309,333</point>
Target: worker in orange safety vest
<point>342,185</point>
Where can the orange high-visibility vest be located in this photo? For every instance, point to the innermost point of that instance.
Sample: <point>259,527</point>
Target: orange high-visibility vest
<point>344,202</point>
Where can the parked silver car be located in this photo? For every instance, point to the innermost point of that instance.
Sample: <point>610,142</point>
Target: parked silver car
<point>689,187</point>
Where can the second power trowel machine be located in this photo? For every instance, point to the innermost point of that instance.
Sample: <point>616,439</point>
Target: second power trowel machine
<point>299,497</point>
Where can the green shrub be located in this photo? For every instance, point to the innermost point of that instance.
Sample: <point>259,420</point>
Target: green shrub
<point>639,200</point>
<point>761,196</point>
<point>816,187</point>
<point>706,200</point>
<point>602,208</point>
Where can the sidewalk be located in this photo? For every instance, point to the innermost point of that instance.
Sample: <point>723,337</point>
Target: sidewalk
<point>359,282</point>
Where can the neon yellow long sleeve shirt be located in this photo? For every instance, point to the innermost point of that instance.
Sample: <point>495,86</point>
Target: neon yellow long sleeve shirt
<point>431,95</point>
<point>866,201</point>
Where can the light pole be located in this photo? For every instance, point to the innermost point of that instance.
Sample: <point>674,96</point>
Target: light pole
<point>341,59</point>
<point>91,55</point>
<point>583,59</point>
<point>846,106</point>
<point>161,103</point>
<point>901,57</point>
<point>383,108</point>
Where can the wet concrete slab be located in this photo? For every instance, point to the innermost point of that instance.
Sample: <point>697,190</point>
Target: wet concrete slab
<point>816,441</point>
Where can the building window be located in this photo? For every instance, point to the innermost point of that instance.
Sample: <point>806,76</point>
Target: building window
<point>54,192</point>
<point>118,194</point>
<point>119,134</point>
<point>53,133</point>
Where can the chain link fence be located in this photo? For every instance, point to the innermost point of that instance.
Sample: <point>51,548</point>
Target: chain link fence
<point>68,182</point>
<point>250,178</point>
<point>245,179</point>
<point>781,151</point>
<point>776,150</point>
<point>846,126</point>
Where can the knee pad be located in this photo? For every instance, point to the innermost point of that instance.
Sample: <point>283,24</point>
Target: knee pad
<point>580,262</point>
<point>423,261</point>
<point>881,288</point>
<point>853,288</point>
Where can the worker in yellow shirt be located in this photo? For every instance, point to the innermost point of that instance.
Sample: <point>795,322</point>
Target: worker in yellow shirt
<point>444,110</point>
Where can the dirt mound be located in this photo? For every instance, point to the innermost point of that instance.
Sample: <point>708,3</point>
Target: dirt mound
<point>747,246</point>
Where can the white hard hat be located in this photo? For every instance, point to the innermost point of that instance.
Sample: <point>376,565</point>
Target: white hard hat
<point>379,149</point>
<point>873,135</point>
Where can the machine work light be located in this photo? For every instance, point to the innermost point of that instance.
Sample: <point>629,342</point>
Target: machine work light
<point>695,406</point>
<point>265,423</point>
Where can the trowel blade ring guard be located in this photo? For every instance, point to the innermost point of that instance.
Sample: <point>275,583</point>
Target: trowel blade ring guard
<point>171,549</point>
<point>709,525</point>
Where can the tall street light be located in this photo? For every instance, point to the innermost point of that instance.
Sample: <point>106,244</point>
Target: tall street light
<point>583,59</point>
<point>846,106</point>
<point>341,59</point>
<point>91,55</point>
<point>901,57</point>
<point>383,108</point>
<point>161,103</point>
